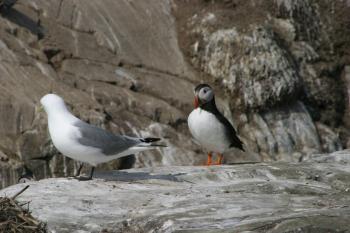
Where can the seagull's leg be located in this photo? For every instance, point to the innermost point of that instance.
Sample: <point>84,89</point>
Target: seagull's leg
<point>91,173</point>
<point>79,169</point>
<point>220,158</point>
<point>85,178</point>
<point>209,159</point>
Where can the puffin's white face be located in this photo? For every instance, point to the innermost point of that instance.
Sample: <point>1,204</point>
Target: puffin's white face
<point>52,102</point>
<point>203,94</point>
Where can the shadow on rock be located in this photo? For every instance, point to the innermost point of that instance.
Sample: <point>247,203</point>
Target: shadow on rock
<point>22,20</point>
<point>136,176</point>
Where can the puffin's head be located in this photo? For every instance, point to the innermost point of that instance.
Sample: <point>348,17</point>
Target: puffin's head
<point>202,95</point>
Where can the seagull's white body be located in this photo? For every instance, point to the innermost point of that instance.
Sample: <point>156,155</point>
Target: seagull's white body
<point>208,130</point>
<point>65,135</point>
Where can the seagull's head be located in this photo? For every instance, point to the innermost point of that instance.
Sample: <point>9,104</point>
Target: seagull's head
<point>203,94</point>
<point>52,102</point>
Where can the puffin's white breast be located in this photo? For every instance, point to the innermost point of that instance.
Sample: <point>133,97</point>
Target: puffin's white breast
<point>208,130</point>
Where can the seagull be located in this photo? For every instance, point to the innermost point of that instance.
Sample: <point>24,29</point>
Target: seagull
<point>209,127</point>
<point>86,143</point>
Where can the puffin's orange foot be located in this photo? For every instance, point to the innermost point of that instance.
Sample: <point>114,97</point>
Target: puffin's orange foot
<point>220,158</point>
<point>209,161</point>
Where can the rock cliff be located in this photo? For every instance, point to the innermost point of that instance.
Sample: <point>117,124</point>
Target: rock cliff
<point>279,67</point>
<point>116,63</point>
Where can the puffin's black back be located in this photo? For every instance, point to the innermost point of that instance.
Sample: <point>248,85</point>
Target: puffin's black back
<point>230,131</point>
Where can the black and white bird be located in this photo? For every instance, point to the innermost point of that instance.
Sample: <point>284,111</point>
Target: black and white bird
<point>87,143</point>
<point>209,127</point>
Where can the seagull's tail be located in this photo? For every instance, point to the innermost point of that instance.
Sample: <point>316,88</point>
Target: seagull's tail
<point>150,142</point>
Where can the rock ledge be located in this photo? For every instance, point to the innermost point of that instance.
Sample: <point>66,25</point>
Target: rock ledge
<point>311,196</point>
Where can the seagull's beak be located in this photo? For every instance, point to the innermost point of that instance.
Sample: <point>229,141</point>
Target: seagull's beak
<point>196,101</point>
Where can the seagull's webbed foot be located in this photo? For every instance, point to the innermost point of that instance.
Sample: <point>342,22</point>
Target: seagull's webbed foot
<point>79,170</point>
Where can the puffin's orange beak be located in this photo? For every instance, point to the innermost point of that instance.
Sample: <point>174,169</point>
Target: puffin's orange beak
<point>196,102</point>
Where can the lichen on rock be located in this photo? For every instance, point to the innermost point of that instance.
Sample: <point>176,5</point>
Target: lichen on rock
<point>257,72</point>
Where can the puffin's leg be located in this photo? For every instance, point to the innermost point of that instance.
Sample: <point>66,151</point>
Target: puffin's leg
<point>209,159</point>
<point>220,158</point>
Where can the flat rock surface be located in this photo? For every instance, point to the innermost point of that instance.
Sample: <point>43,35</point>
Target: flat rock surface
<point>312,196</point>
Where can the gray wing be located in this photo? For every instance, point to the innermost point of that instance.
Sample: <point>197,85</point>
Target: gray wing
<point>110,144</point>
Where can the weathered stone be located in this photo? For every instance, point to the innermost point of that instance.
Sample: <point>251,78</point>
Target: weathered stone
<point>265,197</point>
<point>329,140</point>
<point>280,132</point>
<point>255,69</point>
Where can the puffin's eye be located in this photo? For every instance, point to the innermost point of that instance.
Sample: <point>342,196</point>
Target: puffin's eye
<point>205,91</point>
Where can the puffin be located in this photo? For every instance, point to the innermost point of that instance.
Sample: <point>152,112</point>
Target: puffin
<point>209,127</point>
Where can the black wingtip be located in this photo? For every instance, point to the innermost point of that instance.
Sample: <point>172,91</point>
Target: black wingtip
<point>149,140</point>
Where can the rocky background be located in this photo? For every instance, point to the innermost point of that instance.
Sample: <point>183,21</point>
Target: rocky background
<point>280,68</point>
